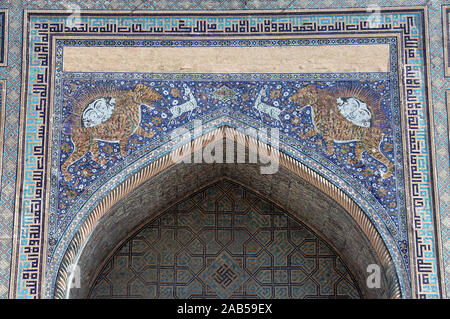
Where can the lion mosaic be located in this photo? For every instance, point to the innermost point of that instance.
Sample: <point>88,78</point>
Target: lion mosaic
<point>340,119</point>
<point>111,116</point>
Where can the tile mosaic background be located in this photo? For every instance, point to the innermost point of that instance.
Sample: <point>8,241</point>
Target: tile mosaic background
<point>225,242</point>
<point>12,73</point>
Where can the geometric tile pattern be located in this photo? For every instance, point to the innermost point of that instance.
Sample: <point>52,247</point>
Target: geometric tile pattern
<point>408,24</point>
<point>225,242</point>
<point>4,240</point>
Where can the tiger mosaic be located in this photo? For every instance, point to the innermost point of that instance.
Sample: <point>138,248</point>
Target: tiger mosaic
<point>120,111</point>
<point>330,122</point>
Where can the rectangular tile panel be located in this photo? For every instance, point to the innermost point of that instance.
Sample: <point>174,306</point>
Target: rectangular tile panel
<point>294,59</point>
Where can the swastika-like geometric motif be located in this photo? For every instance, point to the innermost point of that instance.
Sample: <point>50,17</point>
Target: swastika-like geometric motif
<point>421,219</point>
<point>224,276</point>
<point>252,249</point>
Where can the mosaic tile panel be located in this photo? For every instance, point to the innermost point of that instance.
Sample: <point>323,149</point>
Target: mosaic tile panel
<point>211,97</point>
<point>13,72</point>
<point>406,24</point>
<point>225,242</point>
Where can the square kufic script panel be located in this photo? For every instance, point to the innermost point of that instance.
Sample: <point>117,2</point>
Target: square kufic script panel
<point>247,70</point>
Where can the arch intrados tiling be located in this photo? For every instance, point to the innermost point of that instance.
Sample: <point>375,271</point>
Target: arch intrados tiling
<point>227,185</point>
<point>82,236</point>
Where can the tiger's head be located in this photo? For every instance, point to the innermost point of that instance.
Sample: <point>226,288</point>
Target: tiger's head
<point>142,94</point>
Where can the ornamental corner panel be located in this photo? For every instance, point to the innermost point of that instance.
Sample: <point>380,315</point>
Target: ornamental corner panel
<point>71,154</point>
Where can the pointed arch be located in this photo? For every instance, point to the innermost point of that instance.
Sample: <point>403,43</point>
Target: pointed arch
<point>97,221</point>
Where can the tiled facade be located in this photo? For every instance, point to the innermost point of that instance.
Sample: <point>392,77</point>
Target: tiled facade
<point>400,184</point>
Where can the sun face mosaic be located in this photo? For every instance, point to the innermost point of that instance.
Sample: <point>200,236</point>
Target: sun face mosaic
<point>351,124</point>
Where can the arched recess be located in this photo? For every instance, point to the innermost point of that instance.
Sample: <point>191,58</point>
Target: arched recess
<point>224,241</point>
<point>344,225</point>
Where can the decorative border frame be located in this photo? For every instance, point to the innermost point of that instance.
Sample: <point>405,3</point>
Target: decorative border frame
<point>430,263</point>
<point>3,84</point>
<point>4,37</point>
<point>78,41</point>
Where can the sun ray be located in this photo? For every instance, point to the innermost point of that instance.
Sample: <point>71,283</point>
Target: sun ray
<point>73,119</point>
<point>373,100</point>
